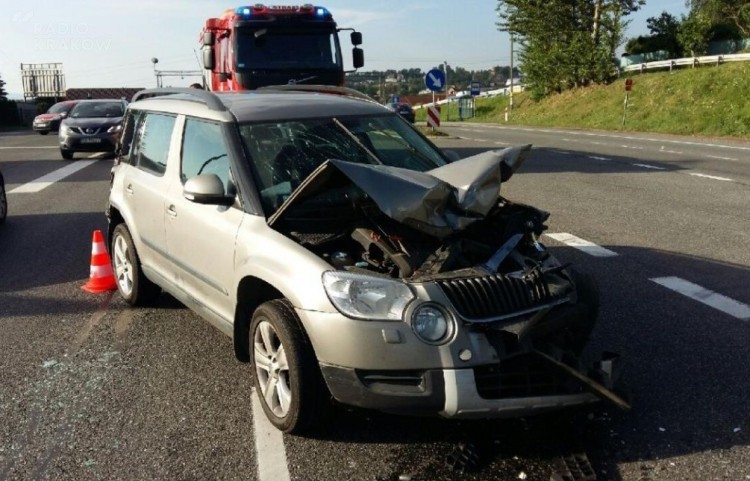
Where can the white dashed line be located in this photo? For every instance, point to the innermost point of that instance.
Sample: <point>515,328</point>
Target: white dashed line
<point>563,152</point>
<point>500,143</point>
<point>582,245</point>
<point>721,158</point>
<point>269,445</point>
<point>713,177</point>
<point>38,147</point>
<point>46,180</point>
<point>595,157</point>
<point>646,166</point>
<point>709,298</point>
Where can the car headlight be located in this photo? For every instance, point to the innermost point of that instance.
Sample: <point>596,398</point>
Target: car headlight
<point>115,128</point>
<point>64,129</point>
<point>431,323</point>
<point>365,297</point>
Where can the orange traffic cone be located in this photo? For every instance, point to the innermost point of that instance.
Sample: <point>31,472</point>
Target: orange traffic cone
<point>101,278</point>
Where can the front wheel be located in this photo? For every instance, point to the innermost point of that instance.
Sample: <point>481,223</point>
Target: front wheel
<point>133,285</point>
<point>43,132</point>
<point>286,373</point>
<point>66,154</point>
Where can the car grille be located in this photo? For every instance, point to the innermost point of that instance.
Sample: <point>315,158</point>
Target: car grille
<point>86,131</point>
<point>525,375</point>
<point>496,295</point>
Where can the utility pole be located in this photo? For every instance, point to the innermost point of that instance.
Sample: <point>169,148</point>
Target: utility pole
<point>510,102</point>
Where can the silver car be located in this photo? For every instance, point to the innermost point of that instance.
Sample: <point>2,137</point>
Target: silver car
<point>348,257</point>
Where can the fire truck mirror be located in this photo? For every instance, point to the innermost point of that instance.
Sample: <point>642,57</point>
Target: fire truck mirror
<point>208,38</point>
<point>208,59</point>
<point>358,57</point>
<point>356,38</point>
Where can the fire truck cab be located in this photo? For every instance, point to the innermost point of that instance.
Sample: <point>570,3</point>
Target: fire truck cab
<point>259,45</point>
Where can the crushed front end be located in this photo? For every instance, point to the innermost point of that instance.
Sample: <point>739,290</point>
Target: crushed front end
<point>450,303</point>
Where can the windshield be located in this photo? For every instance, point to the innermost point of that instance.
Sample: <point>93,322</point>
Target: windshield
<point>86,110</point>
<point>283,154</point>
<point>273,49</point>
<point>60,108</point>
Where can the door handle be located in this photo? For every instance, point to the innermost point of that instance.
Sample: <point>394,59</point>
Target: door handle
<point>171,211</point>
<point>129,189</point>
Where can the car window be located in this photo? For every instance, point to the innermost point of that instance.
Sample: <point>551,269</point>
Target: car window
<point>86,110</point>
<point>204,151</point>
<point>60,108</point>
<point>151,146</point>
<point>283,154</point>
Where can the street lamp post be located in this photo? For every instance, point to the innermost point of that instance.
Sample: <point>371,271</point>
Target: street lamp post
<point>154,61</point>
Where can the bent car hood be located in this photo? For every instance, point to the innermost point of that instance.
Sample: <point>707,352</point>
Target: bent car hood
<point>437,202</point>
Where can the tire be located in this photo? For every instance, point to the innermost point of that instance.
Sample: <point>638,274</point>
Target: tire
<point>133,285</point>
<point>43,132</point>
<point>587,291</point>
<point>3,202</point>
<point>286,374</point>
<point>66,154</point>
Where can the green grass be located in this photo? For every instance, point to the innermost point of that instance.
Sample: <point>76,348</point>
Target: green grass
<point>706,101</point>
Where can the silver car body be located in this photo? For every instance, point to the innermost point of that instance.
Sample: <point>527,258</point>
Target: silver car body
<point>214,258</point>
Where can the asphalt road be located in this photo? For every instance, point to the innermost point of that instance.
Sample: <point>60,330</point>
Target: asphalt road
<point>92,389</point>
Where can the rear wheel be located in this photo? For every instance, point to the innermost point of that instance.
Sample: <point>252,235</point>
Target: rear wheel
<point>133,285</point>
<point>43,132</point>
<point>286,373</point>
<point>3,202</point>
<point>67,155</point>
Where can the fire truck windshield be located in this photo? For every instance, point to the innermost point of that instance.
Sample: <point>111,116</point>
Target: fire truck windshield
<point>276,49</point>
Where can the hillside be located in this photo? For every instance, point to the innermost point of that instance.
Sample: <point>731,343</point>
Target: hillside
<point>708,101</point>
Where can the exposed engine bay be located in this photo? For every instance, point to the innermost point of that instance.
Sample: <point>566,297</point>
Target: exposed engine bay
<point>450,226</point>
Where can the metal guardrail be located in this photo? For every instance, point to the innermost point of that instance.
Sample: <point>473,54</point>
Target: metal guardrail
<point>692,61</point>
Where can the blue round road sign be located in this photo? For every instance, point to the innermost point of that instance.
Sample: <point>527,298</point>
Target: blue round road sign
<point>435,80</point>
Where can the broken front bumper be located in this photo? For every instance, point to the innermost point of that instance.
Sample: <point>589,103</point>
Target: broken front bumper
<point>479,392</point>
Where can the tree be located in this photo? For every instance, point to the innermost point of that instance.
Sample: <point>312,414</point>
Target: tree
<point>736,12</point>
<point>565,43</point>
<point>3,92</point>
<point>694,33</point>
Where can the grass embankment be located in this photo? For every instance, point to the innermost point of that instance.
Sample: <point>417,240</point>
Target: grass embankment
<point>708,100</point>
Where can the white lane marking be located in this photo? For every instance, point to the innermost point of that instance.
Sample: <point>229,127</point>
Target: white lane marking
<point>269,445</point>
<point>713,177</point>
<point>500,143</point>
<point>709,298</point>
<point>37,147</point>
<point>582,245</point>
<point>626,137</point>
<point>721,158</point>
<point>49,179</point>
<point>670,152</point>
<point>563,152</point>
<point>597,157</point>
<point>646,166</point>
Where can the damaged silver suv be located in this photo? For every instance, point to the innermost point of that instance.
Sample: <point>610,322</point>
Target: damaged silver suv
<point>348,257</point>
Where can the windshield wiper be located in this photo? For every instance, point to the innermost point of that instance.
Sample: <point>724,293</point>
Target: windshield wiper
<point>295,82</point>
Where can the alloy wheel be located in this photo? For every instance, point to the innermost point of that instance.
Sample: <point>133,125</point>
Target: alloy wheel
<point>272,369</point>
<point>123,266</point>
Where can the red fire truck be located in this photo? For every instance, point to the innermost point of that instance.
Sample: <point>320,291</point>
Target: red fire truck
<point>259,45</point>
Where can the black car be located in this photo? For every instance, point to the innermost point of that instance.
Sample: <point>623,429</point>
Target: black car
<point>403,109</point>
<point>50,120</point>
<point>91,126</point>
<point>3,200</point>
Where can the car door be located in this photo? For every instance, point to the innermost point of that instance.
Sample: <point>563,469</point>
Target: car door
<point>200,237</point>
<point>145,184</point>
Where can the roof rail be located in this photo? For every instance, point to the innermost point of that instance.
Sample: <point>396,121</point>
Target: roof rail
<point>323,89</point>
<point>209,98</point>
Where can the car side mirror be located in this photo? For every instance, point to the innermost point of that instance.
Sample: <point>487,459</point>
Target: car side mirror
<point>206,189</point>
<point>208,59</point>
<point>356,38</point>
<point>358,57</point>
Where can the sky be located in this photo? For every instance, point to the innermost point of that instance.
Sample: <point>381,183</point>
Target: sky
<point>111,43</point>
